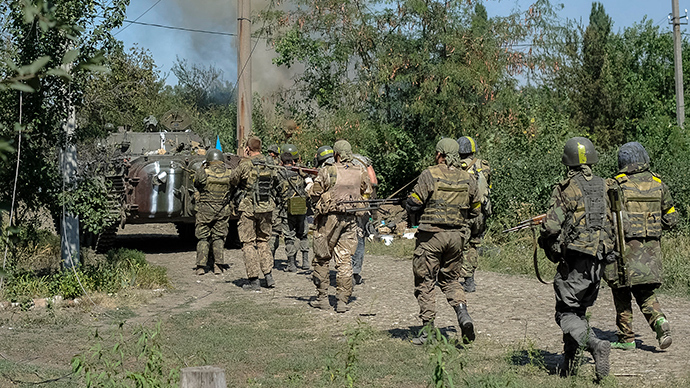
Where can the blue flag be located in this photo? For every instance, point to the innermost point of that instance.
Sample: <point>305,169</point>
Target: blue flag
<point>218,146</point>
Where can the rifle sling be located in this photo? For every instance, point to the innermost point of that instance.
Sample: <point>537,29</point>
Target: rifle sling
<point>534,256</point>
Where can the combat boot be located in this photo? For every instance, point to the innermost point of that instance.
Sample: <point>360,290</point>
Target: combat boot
<point>623,345</point>
<point>423,335</point>
<point>600,350</point>
<point>357,279</point>
<point>663,332</point>
<point>466,323</point>
<point>305,260</point>
<point>292,264</point>
<point>321,301</point>
<point>217,270</point>
<point>270,283</point>
<point>469,285</point>
<point>200,270</point>
<point>252,285</point>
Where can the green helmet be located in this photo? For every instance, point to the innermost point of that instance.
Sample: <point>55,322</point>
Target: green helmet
<point>467,145</point>
<point>289,148</point>
<point>273,148</point>
<point>214,155</point>
<point>579,151</point>
<point>323,153</point>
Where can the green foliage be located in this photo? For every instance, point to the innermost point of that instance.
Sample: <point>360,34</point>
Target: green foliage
<point>120,364</point>
<point>348,373</point>
<point>443,356</point>
<point>89,201</point>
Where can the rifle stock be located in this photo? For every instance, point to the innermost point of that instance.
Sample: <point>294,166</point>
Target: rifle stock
<point>528,223</point>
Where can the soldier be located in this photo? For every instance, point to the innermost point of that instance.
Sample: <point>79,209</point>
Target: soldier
<point>293,213</point>
<point>276,221</point>
<point>274,152</point>
<point>481,170</point>
<point>647,208</point>
<point>576,235</point>
<point>358,257</point>
<point>336,229</point>
<point>256,180</point>
<point>446,195</point>
<point>212,180</point>
<point>324,156</point>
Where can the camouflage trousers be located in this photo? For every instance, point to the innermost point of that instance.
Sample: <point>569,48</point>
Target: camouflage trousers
<point>437,258</point>
<point>645,297</point>
<point>254,232</point>
<point>576,285</point>
<point>295,229</point>
<point>470,259</point>
<point>211,230</point>
<point>340,232</point>
<point>277,230</point>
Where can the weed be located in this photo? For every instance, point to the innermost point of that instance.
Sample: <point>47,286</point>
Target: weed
<point>355,337</point>
<point>443,352</point>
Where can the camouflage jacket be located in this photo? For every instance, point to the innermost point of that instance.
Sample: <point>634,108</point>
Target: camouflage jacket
<point>213,185</point>
<point>448,198</point>
<point>566,225</point>
<point>245,177</point>
<point>290,184</point>
<point>647,209</point>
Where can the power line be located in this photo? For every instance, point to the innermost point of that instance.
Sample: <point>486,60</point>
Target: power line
<point>179,28</point>
<point>137,19</point>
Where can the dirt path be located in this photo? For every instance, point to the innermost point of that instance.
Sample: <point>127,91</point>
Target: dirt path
<point>513,311</point>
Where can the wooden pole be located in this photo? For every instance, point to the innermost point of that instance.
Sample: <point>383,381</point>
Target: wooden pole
<point>678,64</point>
<point>203,377</point>
<point>244,73</point>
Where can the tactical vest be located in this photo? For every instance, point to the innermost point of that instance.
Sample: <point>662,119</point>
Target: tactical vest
<point>584,231</point>
<point>259,185</point>
<point>483,189</point>
<point>296,193</point>
<point>641,205</point>
<point>217,184</point>
<point>346,187</point>
<point>450,200</point>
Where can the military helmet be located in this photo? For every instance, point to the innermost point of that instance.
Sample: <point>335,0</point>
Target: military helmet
<point>214,155</point>
<point>323,153</point>
<point>273,148</point>
<point>289,148</point>
<point>467,145</point>
<point>632,153</point>
<point>579,151</point>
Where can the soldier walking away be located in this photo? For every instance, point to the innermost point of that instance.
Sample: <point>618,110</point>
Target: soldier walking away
<point>257,182</point>
<point>576,234</point>
<point>481,170</point>
<point>293,213</point>
<point>212,180</point>
<point>446,196</point>
<point>358,257</point>
<point>276,222</point>
<point>336,224</point>
<point>646,209</point>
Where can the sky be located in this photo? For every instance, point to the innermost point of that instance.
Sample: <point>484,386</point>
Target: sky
<point>220,51</point>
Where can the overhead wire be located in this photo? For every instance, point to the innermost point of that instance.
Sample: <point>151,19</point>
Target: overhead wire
<point>137,19</point>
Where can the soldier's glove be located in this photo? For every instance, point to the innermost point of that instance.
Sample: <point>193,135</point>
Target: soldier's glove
<point>612,257</point>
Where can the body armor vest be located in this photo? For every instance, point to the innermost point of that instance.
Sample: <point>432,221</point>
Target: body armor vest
<point>584,233</point>
<point>641,205</point>
<point>259,185</point>
<point>347,187</point>
<point>217,184</point>
<point>450,200</point>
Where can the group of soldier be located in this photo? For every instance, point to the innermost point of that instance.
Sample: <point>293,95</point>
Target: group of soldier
<point>594,228</point>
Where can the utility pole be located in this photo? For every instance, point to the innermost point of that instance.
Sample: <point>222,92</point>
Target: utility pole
<point>69,232</point>
<point>244,72</point>
<point>678,62</point>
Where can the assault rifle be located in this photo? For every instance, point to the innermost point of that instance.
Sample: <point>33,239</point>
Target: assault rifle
<point>310,171</point>
<point>372,204</point>
<point>528,223</point>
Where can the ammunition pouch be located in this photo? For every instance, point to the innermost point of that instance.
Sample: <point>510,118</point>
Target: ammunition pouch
<point>297,206</point>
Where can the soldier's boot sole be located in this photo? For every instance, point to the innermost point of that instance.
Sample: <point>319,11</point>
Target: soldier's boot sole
<point>601,352</point>
<point>663,333</point>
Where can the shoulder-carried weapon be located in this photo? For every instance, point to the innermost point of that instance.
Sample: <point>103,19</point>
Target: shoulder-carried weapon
<point>531,223</point>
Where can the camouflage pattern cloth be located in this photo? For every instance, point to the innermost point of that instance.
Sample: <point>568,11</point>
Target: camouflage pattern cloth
<point>475,167</point>
<point>336,231</point>
<point>577,234</point>
<point>294,227</point>
<point>277,227</point>
<point>257,181</point>
<point>447,196</point>
<point>212,211</point>
<point>647,209</point>
<point>358,257</point>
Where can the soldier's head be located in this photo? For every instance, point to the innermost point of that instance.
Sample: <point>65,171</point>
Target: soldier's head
<point>291,148</point>
<point>323,154</point>
<point>253,146</point>
<point>579,151</point>
<point>287,159</point>
<point>632,154</point>
<point>447,151</point>
<point>273,150</point>
<point>467,147</point>
<point>342,151</point>
<point>214,155</point>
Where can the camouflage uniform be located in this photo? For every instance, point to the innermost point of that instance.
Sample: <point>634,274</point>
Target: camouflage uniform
<point>212,212</point>
<point>257,182</point>
<point>577,235</point>
<point>647,209</point>
<point>336,230</point>
<point>481,170</point>
<point>277,227</point>
<point>295,226</point>
<point>358,257</point>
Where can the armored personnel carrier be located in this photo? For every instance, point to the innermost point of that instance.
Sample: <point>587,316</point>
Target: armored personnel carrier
<point>151,175</point>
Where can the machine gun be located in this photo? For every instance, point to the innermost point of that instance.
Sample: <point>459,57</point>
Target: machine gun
<point>528,223</point>
<point>372,204</point>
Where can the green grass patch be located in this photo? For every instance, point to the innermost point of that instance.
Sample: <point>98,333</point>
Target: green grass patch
<point>401,247</point>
